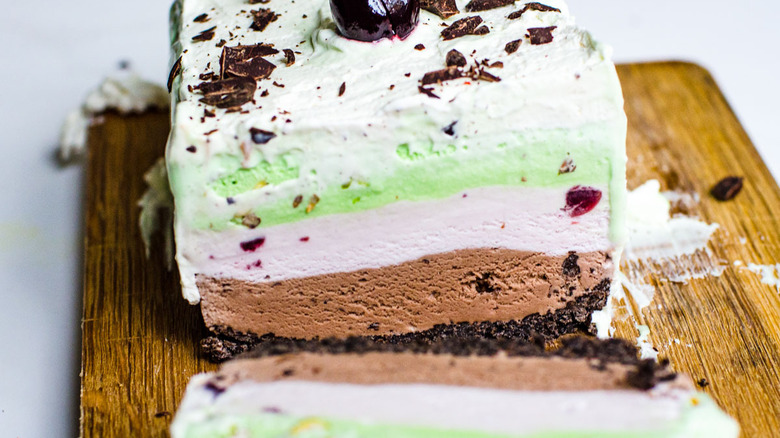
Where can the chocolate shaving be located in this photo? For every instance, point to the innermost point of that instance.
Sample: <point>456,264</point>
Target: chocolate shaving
<point>254,2</point>
<point>175,70</point>
<point>533,6</point>
<point>484,5</point>
<point>482,75</point>
<point>207,76</point>
<point>442,8</point>
<point>428,92</point>
<point>247,61</point>
<point>260,136</point>
<point>205,35</point>
<point>439,76</point>
<point>450,129</point>
<point>727,188</point>
<point>464,26</point>
<point>228,93</point>
<point>342,89</point>
<point>512,46</point>
<point>455,59</point>
<point>202,18</point>
<point>289,57</point>
<point>262,18</point>
<point>541,35</point>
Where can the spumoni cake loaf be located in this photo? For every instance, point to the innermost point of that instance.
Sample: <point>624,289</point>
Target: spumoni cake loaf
<point>357,388</point>
<point>472,172</point>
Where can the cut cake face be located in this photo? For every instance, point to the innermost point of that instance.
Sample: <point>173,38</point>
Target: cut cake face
<point>330,187</point>
<point>586,388</point>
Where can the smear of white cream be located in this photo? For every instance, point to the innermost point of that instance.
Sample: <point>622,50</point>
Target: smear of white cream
<point>157,210</point>
<point>126,93</point>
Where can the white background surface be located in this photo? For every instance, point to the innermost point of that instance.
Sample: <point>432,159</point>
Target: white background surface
<point>53,52</point>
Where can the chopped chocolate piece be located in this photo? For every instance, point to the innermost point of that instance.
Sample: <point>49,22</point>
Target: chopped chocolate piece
<point>265,93</point>
<point>250,220</point>
<point>221,43</point>
<point>439,76</point>
<point>252,245</point>
<point>228,93</point>
<point>450,129</point>
<point>482,75</point>
<point>260,136</point>
<point>289,57</point>
<point>464,26</point>
<point>276,84</point>
<point>254,2</point>
<point>481,30</point>
<point>497,64</point>
<point>419,47</point>
<point>175,70</point>
<point>727,188</point>
<point>207,76</point>
<point>297,201</point>
<point>202,18</point>
<point>428,92</point>
<point>205,35</point>
<point>567,166</point>
<point>192,149</point>
<point>570,266</point>
<point>207,113</point>
<point>541,35</point>
<point>442,8</point>
<point>247,61</point>
<point>512,46</point>
<point>533,6</point>
<point>455,59</point>
<point>484,5</point>
<point>262,18</point>
<point>342,89</point>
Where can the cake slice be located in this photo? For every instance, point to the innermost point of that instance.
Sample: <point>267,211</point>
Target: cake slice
<point>473,172</point>
<point>585,388</point>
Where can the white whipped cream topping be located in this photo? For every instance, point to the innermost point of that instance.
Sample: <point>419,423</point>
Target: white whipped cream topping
<point>533,220</point>
<point>463,408</point>
<point>126,93</point>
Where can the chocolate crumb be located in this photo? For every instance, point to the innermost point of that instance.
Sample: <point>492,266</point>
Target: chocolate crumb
<point>428,92</point>
<point>276,84</point>
<point>464,26</point>
<point>567,166</point>
<point>261,18</point>
<point>192,149</point>
<point>450,129</point>
<point>484,5</point>
<point>162,414</point>
<point>206,35</point>
<point>455,59</point>
<point>230,200</point>
<point>297,201</point>
<point>541,35</point>
<point>482,75</point>
<point>419,47</point>
<point>533,6</point>
<point>254,2</point>
<point>570,266</point>
<point>289,57</point>
<point>250,220</point>
<point>342,89</point>
<point>512,46</point>
<point>265,93</point>
<point>442,8</point>
<point>221,43</point>
<point>260,136</point>
<point>175,70</point>
<point>703,383</point>
<point>373,326</point>
<point>727,188</point>
<point>202,18</point>
<point>439,76</point>
<point>207,76</point>
<point>288,372</point>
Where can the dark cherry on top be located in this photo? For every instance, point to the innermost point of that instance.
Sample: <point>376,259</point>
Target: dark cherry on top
<point>372,20</point>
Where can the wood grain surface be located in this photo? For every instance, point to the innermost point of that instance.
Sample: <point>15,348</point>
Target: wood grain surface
<point>140,337</point>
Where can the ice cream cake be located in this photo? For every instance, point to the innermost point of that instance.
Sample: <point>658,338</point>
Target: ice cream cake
<point>586,388</point>
<point>470,170</point>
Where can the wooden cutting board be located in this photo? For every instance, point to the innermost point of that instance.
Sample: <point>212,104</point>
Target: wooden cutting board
<point>140,337</point>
